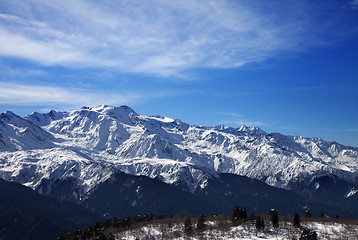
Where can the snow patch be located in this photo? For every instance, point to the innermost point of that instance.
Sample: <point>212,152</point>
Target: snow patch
<point>351,193</point>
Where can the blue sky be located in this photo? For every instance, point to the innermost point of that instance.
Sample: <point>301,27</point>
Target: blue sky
<point>285,66</point>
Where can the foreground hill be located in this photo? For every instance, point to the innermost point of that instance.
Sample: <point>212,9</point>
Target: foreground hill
<point>25,214</point>
<point>72,155</point>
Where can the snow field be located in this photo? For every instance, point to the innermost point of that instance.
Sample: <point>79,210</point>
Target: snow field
<point>224,230</point>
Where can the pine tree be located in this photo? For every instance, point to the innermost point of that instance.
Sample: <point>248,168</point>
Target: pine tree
<point>260,223</point>
<point>244,214</point>
<point>239,214</point>
<point>116,221</point>
<point>126,222</point>
<point>308,235</point>
<point>274,217</point>
<point>296,220</point>
<point>107,223</point>
<point>201,223</point>
<point>188,226</point>
<point>308,214</point>
<point>322,214</point>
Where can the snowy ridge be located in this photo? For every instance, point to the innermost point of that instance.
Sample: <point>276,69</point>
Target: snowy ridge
<point>90,144</point>
<point>351,193</point>
<point>17,133</point>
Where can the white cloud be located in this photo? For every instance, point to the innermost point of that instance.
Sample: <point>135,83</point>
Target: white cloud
<point>17,94</point>
<point>354,4</point>
<point>155,37</point>
<point>246,122</point>
<point>235,115</point>
<point>238,120</point>
<point>45,53</point>
<point>20,95</point>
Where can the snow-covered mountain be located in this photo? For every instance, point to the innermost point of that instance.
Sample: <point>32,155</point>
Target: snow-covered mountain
<point>86,147</point>
<point>18,134</point>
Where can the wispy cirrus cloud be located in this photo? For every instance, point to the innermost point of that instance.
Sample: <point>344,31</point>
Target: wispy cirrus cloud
<point>246,122</point>
<point>354,4</point>
<point>238,120</point>
<point>20,95</point>
<point>154,37</point>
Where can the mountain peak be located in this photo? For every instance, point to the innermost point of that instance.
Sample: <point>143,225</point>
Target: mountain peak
<point>126,109</point>
<point>243,128</point>
<point>100,107</point>
<point>8,113</point>
<point>123,113</point>
<point>257,130</point>
<point>106,108</point>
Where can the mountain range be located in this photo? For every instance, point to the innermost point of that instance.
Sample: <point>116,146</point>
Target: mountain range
<point>116,162</point>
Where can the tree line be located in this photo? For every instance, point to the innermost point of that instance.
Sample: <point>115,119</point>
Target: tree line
<point>104,230</point>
